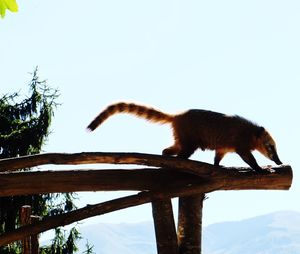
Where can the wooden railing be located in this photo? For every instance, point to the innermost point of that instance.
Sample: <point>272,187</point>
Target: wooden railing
<point>163,179</point>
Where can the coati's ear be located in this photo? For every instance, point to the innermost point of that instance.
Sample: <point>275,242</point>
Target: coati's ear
<point>260,131</point>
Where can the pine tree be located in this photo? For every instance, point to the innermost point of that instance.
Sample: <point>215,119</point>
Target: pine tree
<point>24,128</point>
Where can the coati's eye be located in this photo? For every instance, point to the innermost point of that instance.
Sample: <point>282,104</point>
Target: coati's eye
<point>270,148</point>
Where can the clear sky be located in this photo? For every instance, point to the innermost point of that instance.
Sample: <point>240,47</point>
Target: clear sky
<point>236,57</point>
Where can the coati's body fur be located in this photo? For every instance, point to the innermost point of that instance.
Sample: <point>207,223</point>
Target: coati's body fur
<point>205,130</point>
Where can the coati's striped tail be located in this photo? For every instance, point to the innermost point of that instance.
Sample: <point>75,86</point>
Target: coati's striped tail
<point>148,113</point>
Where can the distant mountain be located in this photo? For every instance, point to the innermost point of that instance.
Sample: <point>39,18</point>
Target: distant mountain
<point>276,233</point>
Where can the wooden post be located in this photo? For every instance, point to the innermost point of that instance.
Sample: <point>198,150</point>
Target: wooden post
<point>25,213</point>
<point>35,238</point>
<point>165,231</point>
<point>190,224</point>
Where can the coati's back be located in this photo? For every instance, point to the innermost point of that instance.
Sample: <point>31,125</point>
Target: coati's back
<point>213,130</point>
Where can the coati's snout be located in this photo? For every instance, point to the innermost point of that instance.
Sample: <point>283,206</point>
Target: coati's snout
<point>276,159</point>
<point>271,153</point>
<point>267,146</point>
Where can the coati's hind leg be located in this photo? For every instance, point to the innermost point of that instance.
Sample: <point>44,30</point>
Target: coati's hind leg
<point>186,151</point>
<point>184,147</point>
<point>183,152</point>
<point>174,149</point>
<point>248,157</point>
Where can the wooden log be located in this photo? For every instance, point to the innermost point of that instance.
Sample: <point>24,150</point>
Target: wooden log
<point>165,231</point>
<point>190,224</point>
<point>29,183</point>
<point>25,219</point>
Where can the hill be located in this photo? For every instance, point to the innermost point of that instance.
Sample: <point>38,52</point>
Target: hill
<point>273,233</point>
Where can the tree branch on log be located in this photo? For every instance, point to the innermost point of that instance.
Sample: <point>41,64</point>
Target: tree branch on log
<point>29,183</point>
<point>152,160</point>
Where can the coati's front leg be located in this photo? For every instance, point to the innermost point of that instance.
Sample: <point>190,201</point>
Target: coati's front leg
<point>218,157</point>
<point>248,157</point>
<point>172,150</point>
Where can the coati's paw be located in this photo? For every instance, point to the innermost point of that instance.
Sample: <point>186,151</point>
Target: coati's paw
<point>170,151</point>
<point>269,169</point>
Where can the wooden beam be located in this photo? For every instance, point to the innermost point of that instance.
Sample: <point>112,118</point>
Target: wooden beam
<point>89,211</point>
<point>29,183</point>
<point>79,214</point>
<point>165,231</point>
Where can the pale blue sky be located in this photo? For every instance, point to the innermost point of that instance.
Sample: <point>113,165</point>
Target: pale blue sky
<point>236,57</point>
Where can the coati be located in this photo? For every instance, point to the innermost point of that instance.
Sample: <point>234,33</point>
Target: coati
<point>203,129</point>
